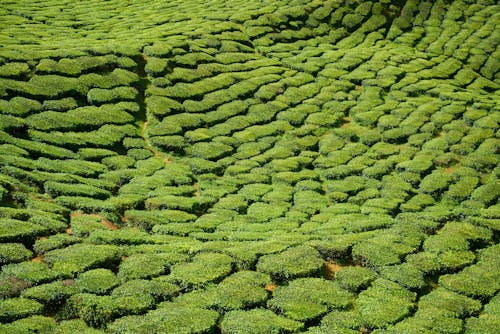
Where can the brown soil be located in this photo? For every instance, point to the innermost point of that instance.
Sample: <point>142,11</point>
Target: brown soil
<point>196,190</point>
<point>69,231</point>
<point>37,259</point>
<point>270,287</point>
<point>150,147</point>
<point>332,268</point>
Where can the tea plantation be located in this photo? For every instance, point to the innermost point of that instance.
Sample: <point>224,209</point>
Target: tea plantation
<point>249,166</point>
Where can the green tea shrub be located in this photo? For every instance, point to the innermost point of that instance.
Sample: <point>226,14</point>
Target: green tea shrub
<point>205,268</point>
<point>383,303</point>
<point>159,49</point>
<point>121,236</point>
<point>161,106</point>
<point>99,96</point>
<point>242,290</point>
<point>55,189</point>
<point>146,292</point>
<point>262,212</point>
<point>258,321</point>
<point>97,281</point>
<point>146,219</point>
<point>308,298</point>
<point>52,295</point>
<point>209,151</point>
<point>85,204</point>
<point>485,322</point>
<point>14,70</point>
<point>405,274</point>
<point>462,189</point>
<point>450,303</point>
<point>118,77</point>
<point>157,66</point>
<point>168,319</point>
<point>354,279</point>
<point>50,87</point>
<point>16,308</point>
<point>20,106</point>
<point>81,257</point>
<point>97,311</point>
<point>84,118</point>
<point>33,324</point>
<point>144,266</point>
<point>13,252</point>
<point>435,183</point>
<point>183,203</point>
<point>292,263</point>
<point>477,281</point>
<point>487,193</point>
<point>63,104</point>
<point>13,230</point>
<point>60,240</point>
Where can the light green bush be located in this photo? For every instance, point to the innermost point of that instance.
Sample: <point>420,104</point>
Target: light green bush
<point>16,308</point>
<point>258,321</point>
<point>308,298</point>
<point>13,252</point>
<point>294,262</point>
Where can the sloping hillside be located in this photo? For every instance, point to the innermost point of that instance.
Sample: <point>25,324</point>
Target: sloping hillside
<point>249,166</point>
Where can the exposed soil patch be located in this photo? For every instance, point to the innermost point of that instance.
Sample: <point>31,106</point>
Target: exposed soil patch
<point>271,287</point>
<point>331,268</point>
<point>69,231</point>
<point>37,259</point>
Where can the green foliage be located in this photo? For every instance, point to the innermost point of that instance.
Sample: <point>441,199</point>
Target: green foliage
<point>354,278</point>
<point>259,321</point>
<point>205,268</point>
<point>34,324</point>
<point>51,294</point>
<point>97,281</point>
<point>383,303</point>
<point>13,252</point>
<point>12,230</point>
<point>169,318</point>
<point>294,262</point>
<point>81,257</point>
<point>15,308</point>
<point>308,298</point>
